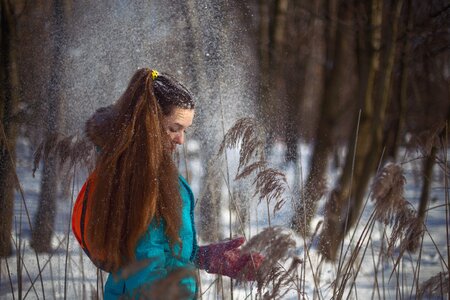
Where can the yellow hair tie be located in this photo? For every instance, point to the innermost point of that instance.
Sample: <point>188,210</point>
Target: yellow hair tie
<point>154,74</point>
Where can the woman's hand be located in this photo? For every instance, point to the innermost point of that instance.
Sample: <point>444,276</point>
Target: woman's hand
<point>225,258</point>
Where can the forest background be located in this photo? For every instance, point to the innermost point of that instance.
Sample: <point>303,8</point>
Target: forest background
<point>360,83</point>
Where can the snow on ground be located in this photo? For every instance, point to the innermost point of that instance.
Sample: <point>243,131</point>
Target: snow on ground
<point>82,278</point>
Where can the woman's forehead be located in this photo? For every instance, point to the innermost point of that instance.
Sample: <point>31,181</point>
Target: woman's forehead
<point>181,116</point>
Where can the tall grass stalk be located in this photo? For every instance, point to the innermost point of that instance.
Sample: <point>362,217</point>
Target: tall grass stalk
<point>39,275</point>
<point>414,271</point>
<point>68,231</point>
<point>445,267</point>
<point>376,286</point>
<point>315,274</point>
<point>236,208</point>
<point>18,258</point>
<point>348,204</point>
<point>52,279</point>
<point>384,243</point>
<point>396,272</point>
<point>228,178</point>
<point>22,194</point>
<point>306,250</point>
<point>419,259</point>
<point>15,241</point>
<point>83,277</point>
<point>358,248</point>
<point>209,287</point>
<point>10,279</point>
<point>446,191</point>
<point>187,176</point>
<point>102,283</point>
<point>348,266</point>
<point>97,288</point>
<point>367,231</point>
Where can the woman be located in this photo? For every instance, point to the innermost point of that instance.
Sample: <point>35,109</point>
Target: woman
<point>143,227</point>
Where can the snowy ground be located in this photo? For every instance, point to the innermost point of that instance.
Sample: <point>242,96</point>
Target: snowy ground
<point>82,277</point>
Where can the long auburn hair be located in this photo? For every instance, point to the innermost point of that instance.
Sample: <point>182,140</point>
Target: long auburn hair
<point>136,178</point>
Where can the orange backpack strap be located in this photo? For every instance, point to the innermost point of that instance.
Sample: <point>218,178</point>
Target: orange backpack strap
<point>80,215</point>
<point>80,218</point>
<point>83,217</point>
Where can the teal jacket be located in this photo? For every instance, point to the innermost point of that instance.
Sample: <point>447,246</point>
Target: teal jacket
<point>154,246</point>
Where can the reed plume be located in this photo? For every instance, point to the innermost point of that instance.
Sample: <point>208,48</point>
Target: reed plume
<point>270,183</point>
<point>436,286</point>
<point>249,169</point>
<point>391,208</point>
<point>276,245</point>
<point>70,149</point>
<point>428,138</point>
<point>250,133</point>
<point>387,192</point>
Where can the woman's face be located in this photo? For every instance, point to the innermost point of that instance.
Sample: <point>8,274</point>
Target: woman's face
<point>176,123</point>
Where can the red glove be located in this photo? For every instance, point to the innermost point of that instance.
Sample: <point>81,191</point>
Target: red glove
<point>225,258</point>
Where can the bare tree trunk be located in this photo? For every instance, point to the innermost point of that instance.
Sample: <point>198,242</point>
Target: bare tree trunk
<point>344,205</point>
<point>315,184</point>
<point>376,150</point>
<point>210,203</point>
<point>427,174</point>
<point>272,34</point>
<point>208,39</point>
<point>264,49</point>
<point>9,99</point>
<point>393,131</point>
<point>45,216</point>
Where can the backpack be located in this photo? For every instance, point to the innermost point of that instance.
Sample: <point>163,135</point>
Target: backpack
<point>80,217</point>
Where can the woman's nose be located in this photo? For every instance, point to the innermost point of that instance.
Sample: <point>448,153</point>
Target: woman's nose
<point>179,138</point>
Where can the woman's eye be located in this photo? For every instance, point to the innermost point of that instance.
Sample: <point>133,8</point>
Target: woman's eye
<point>172,130</point>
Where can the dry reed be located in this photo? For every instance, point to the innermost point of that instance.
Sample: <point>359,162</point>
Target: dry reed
<point>249,169</point>
<point>271,185</point>
<point>391,208</point>
<point>276,245</point>
<point>251,133</point>
<point>387,192</point>
<point>429,138</point>
<point>436,286</point>
<point>73,149</point>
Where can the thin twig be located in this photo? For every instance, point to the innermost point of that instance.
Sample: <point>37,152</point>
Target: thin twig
<point>349,197</point>
<point>447,198</point>
<point>10,279</point>
<point>419,259</point>
<point>22,194</point>
<point>24,265</point>
<point>39,275</point>
<point>68,232</point>
<point>52,279</point>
